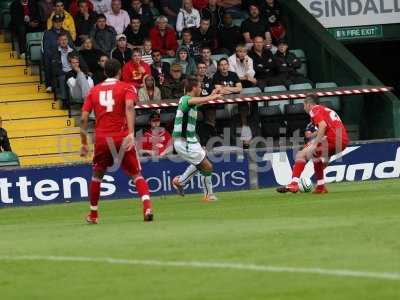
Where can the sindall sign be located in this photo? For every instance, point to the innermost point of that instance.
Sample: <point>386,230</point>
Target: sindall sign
<point>339,13</point>
<point>358,162</point>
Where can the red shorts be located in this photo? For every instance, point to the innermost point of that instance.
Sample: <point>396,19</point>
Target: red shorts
<point>104,157</point>
<point>327,149</point>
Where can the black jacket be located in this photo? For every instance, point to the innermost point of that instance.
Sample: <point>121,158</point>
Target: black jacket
<point>57,64</point>
<point>165,67</point>
<point>146,17</point>
<point>104,39</point>
<point>287,63</point>
<point>264,65</point>
<point>17,13</point>
<point>215,17</point>
<point>4,141</point>
<point>122,57</point>
<point>84,27</point>
<point>208,39</point>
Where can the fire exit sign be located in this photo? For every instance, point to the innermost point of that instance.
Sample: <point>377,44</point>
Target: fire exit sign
<point>359,32</point>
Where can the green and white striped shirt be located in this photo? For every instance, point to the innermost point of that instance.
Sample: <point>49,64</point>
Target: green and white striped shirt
<point>185,121</point>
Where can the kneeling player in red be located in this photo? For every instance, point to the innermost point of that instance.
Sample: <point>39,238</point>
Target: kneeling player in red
<point>113,103</point>
<point>330,139</point>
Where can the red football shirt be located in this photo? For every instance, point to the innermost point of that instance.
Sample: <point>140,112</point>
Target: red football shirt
<point>335,129</point>
<point>108,100</point>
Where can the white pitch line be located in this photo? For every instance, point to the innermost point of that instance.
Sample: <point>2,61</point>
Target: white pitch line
<point>210,265</point>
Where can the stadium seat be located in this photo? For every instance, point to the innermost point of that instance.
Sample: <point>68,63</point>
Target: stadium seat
<point>299,87</point>
<point>252,90</point>
<point>271,120</point>
<point>34,50</point>
<point>217,57</point>
<point>276,89</point>
<point>8,159</point>
<point>296,118</point>
<point>331,102</point>
<point>301,55</point>
<point>237,22</point>
<point>169,60</point>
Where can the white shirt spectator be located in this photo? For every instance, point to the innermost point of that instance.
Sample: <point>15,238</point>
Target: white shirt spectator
<point>118,21</point>
<point>66,66</point>
<point>101,6</point>
<point>187,20</point>
<point>241,68</point>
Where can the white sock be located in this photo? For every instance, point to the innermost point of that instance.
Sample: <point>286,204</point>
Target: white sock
<point>188,174</point>
<point>207,185</point>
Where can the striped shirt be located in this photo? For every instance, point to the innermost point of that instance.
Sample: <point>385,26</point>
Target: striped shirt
<point>185,121</point>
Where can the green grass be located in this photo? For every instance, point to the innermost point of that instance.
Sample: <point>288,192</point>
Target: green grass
<point>355,227</point>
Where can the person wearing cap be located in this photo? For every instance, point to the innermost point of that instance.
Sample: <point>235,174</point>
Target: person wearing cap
<point>156,140</point>
<point>68,21</point>
<point>287,64</point>
<point>135,70</point>
<point>121,53</point>
<point>84,21</point>
<point>50,46</point>
<point>173,87</point>
<point>103,36</point>
<point>117,17</point>
<point>149,92</point>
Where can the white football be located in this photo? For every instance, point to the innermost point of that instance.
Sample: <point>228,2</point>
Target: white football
<point>305,185</point>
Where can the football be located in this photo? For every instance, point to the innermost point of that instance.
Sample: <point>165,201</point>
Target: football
<point>305,185</point>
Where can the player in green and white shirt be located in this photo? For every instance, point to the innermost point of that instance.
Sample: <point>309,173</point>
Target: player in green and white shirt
<point>185,140</point>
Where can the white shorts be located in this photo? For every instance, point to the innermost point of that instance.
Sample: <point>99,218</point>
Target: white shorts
<point>191,152</point>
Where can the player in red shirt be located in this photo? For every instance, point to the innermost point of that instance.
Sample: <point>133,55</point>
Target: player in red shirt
<point>113,103</point>
<point>330,139</point>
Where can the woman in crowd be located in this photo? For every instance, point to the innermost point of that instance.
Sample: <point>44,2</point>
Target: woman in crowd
<point>90,55</point>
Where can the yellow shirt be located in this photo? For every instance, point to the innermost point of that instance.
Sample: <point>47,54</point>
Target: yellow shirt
<point>68,24</point>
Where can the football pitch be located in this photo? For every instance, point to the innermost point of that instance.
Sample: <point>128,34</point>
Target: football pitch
<point>249,245</point>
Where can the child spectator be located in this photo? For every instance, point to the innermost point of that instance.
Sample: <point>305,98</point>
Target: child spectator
<point>147,52</point>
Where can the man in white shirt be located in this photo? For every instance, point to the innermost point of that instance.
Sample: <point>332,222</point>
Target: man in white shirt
<point>117,17</point>
<point>242,65</point>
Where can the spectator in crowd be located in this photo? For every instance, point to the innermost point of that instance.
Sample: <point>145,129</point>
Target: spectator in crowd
<point>149,92</point>
<point>74,7</point>
<point>79,83</point>
<point>61,67</point>
<point>170,9</point>
<point>45,9</point>
<point>270,46</point>
<point>208,61</point>
<point>207,129</point>
<point>229,36</point>
<point>68,21</point>
<point>271,11</point>
<point>173,87</point>
<point>147,52</point>
<point>287,64</point>
<point>225,81</point>
<point>103,36</point>
<point>84,21</point>
<point>4,140</point>
<point>187,63</point>
<point>90,55</point>
<point>50,46</point>
<point>233,7</point>
<point>205,36</point>
<point>189,44</point>
<point>264,64</point>
<point>159,69</point>
<point>254,26</point>
<point>244,127</point>
<point>121,53</point>
<point>135,70</point>
<point>24,19</point>
<point>163,37</point>
<point>214,13</point>
<point>117,17</point>
<point>241,64</point>
<point>142,11</point>
<point>156,140</point>
<point>136,33</point>
<point>99,76</point>
<point>206,82</point>
<point>200,4</point>
<point>101,6</point>
<point>188,17</point>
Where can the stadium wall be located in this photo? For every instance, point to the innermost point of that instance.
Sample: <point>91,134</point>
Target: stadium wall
<point>233,171</point>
